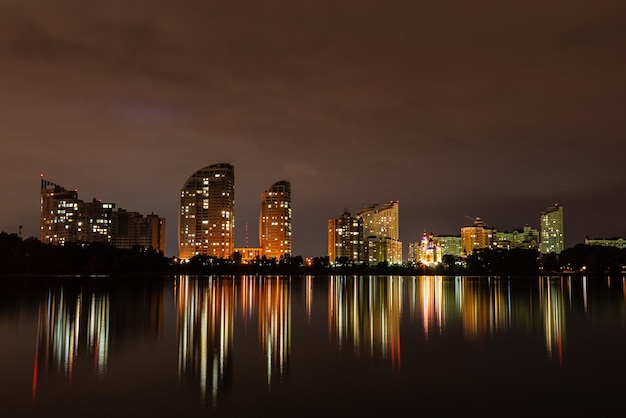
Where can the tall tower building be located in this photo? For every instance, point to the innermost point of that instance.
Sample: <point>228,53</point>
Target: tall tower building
<point>59,214</point>
<point>381,233</point>
<point>275,220</point>
<point>345,238</point>
<point>551,223</point>
<point>206,221</point>
<point>95,221</point>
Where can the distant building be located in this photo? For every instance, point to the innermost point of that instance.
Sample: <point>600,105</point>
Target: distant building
<point>412,252</point>
<point>249,254</point>
<point>429,252</point>
<point>617,242</point>
<point>526,238</point>
<point>66,218</point>
<point>476,237</point>
<point>275,220</point>
<point>450,244</point>
<point>132,229</point>
<point>551,222</point>
<point>381,233</point>
<point>59,214</point>
<point>206,222</point>
<point>380,249</point>
<point>345,238</point>
<point>95,221</point>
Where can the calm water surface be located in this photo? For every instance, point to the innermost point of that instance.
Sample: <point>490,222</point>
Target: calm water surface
<point>312,346</point>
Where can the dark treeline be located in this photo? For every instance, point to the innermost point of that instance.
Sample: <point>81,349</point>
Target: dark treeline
<point>32,257</point>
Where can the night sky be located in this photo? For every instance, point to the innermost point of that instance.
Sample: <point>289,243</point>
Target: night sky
<point>456,109</point>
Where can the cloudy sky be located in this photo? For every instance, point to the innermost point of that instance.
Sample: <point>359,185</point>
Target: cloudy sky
<point>456,109</point>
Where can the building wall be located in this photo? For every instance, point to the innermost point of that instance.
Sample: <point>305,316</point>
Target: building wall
<point>249,254</point>
<point>65,218</point>
<point>607,242</point>
<point>381,233</point>
<point>477,236</point>
<point>450,244</point>
<point>551,221</point>
<point>275,220</point>
<point>526,238</point>
<point>95,221</point>
<point>206,217</point>
<point>345,238</point>
<point>59,214</point>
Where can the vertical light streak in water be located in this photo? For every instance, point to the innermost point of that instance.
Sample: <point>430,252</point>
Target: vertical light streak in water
<point>309,296</point>
<point>204,327</point>
<point>584,284</point>
<point>439,303</point>
<point>275,325</point>
<point>369,304</point>
<point>98,332</point>
<point>426,300</point>
<point>355,323</point>
<point>554,317</point>
<point>458,292</point>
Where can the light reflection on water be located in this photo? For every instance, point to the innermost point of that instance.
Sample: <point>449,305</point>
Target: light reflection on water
<point>227,335</point>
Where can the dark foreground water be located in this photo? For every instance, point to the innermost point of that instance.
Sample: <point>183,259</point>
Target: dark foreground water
<point>312,346</point>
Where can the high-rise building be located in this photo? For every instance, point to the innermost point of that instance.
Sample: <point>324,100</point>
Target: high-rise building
<point>476,237</point>
<point>381,233</point>
<point>381,220</point>
<point>59,214</point>
<point>206,221</point>
<point>131,229</point>
<point>95,221</point>
<point>345,238</point>
<point>66,218</point>
<point>275,220</point>
<point>551,222</point>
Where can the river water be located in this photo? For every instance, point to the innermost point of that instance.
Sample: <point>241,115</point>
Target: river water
<point>247,346</point>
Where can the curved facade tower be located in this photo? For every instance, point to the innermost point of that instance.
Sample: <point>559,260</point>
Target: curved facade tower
<point>206,221</point>
<point>275,220</point>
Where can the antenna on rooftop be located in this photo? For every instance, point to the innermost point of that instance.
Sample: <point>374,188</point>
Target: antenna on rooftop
<point>246,243</point>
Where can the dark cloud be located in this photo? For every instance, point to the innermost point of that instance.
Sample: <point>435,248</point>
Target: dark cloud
<point>489,108</point>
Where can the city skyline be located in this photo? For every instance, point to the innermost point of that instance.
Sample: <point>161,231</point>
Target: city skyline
<point>456,110</point>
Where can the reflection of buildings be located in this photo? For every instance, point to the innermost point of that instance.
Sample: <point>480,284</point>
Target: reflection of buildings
<point>205,322</point>
<point>275,325</point>
<point>77,327</point>
<point>364,314</point>
<point>206,312</point>
<point>552,305</point>
<point>486,307</point>
<point>551,222</point>
<point>206,223</point>
<point>68,322</point>
<point>66,218</point>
